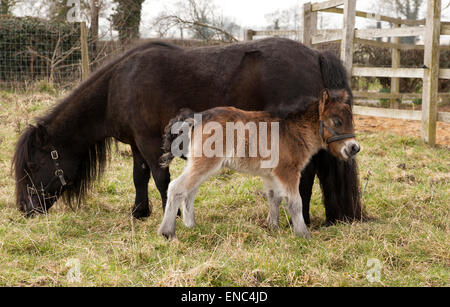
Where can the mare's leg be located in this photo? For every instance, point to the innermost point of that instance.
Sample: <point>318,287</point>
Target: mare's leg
<point>141,177</point>
<point>340,188</point>
<point>151,150</point>
<point>306,185</point>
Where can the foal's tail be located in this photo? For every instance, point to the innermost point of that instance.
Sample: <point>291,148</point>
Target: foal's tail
<point>186,116</point>
<point>334,74</point>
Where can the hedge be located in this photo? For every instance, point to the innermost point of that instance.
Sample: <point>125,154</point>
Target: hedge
<point>28,45</point>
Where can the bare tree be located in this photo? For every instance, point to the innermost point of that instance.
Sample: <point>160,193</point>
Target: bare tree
<point>6,6</point>
<point>95,15</point>
<point>199,18</point>
<point>127,19</point>
<point>288,19</point>
<point>57,57</point>
<point>408,9</point>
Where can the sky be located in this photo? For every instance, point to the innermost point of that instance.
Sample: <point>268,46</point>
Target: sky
<point>247,13</point>
<point>251,14</point>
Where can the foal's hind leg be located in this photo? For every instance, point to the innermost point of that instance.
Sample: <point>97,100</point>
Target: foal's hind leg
<point>177,195</point>
<point>188,209</point>
<point>182,192</point>
<point>199,169</point>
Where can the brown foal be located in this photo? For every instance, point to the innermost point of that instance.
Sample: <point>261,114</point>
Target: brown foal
<point>293,140</point>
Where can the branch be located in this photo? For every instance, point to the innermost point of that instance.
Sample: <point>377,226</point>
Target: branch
<point>179,20</point>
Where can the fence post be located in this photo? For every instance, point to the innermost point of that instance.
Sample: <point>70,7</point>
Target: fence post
<point>395,82</point>
<point>308,26</point>
<point>249,35</point>
<point>348,35</point>
<point>431,72</point>
<point>84,51</point>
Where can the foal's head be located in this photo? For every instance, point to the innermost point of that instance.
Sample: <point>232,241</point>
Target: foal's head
<point>336,124</point>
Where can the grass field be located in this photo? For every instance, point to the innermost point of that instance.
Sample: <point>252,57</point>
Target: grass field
<point>405,184</point>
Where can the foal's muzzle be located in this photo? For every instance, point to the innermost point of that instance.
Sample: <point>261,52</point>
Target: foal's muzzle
<point>351,149</point>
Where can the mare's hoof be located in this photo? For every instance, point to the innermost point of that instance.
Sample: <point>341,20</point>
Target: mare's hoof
<point>141,213</point>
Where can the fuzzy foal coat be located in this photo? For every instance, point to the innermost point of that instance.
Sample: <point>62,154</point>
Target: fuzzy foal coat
<point>299,139</point>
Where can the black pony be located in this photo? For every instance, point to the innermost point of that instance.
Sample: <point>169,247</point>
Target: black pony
<point>132,98</point>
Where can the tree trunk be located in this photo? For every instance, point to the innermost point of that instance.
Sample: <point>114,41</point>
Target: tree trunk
<point>95,11</point>
<point>5,6</point>
<point>127,19</point>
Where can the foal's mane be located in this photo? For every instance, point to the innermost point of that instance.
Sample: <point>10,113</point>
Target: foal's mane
<point>95,156</point>
<point>286,111</point>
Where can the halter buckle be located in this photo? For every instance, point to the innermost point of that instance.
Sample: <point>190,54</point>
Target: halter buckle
<point>54,155</point>
<point>60,174</point>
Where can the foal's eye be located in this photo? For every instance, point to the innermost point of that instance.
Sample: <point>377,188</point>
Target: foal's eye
<point>337,122</point>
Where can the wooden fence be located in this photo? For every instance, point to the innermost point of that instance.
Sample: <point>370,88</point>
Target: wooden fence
<point>430,28</point>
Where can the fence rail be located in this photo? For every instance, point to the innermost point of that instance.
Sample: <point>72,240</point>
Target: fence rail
<point>398,114</point>
<point>430,28</point>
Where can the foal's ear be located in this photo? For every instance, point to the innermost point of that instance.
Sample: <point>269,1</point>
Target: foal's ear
<point>342,96</point>
<point>323,101</point>
<point>41,135</point>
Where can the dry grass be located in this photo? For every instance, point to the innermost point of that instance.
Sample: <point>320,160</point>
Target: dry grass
<point>405,183</point>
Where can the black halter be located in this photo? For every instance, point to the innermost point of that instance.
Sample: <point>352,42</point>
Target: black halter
<point>335,137</point>
<point>59,173</point>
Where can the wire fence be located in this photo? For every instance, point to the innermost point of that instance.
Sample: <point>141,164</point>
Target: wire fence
<point>33,50</point>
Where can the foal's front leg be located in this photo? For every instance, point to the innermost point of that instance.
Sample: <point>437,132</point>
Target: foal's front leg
<point>294,207</point>
<point>274,211</point>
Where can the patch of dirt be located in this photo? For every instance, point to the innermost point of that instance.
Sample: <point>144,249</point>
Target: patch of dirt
<point>401,127</point>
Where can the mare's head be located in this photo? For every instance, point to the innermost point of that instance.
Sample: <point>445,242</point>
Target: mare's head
<point>43,170</point>
<point>336,124</point>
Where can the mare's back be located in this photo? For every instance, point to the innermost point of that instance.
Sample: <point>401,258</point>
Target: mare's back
<point>251,76</point>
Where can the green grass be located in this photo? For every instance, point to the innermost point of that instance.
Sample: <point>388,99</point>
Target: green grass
<point>405,188</point>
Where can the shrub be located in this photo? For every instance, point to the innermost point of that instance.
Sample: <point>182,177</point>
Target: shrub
<point>32,48</point>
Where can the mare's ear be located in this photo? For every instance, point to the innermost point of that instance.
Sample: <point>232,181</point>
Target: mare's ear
<point>323,100</point>
<point>41,135</point>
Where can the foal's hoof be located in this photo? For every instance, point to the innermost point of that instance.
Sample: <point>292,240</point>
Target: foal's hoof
<point>305,235</point>
<point>169,235</point>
